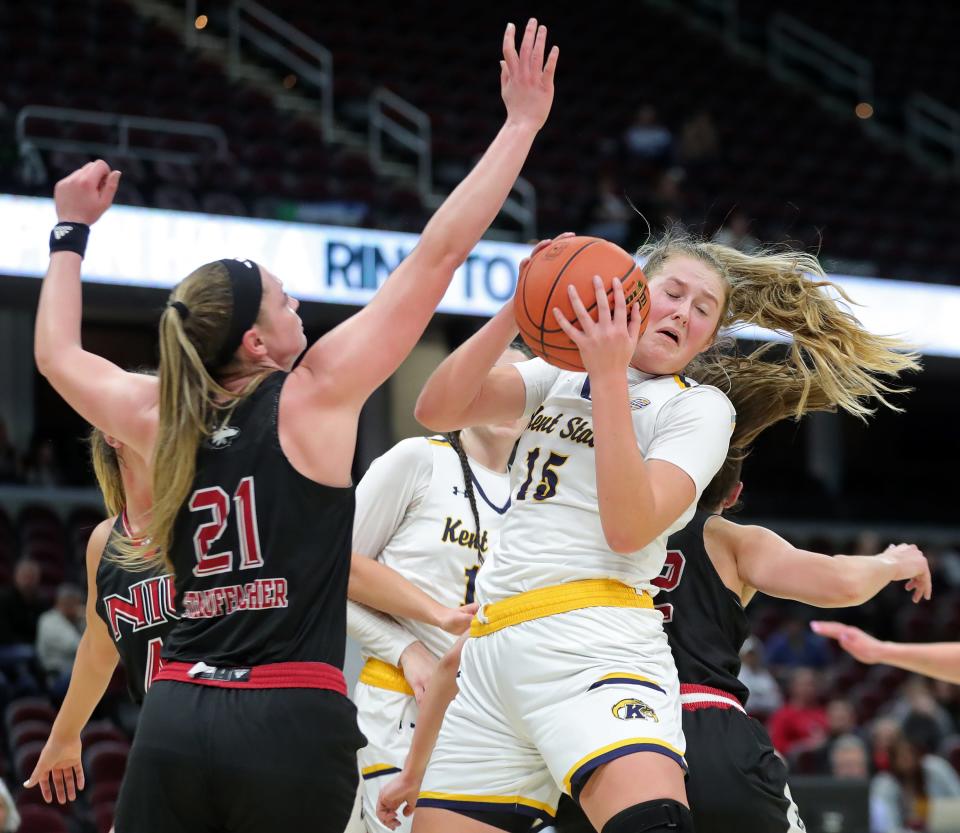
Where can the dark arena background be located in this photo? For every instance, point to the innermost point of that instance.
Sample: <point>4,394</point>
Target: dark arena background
<point>317,138</point>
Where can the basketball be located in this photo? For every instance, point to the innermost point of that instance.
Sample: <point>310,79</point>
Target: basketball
<point>542,285</point>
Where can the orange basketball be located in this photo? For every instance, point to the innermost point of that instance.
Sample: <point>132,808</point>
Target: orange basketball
<point>543,286</point>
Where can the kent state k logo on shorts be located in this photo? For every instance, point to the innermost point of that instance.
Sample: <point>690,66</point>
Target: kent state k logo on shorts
<point>633,709</point>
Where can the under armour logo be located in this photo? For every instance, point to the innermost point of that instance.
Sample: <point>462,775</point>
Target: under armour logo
<point>61,231</point>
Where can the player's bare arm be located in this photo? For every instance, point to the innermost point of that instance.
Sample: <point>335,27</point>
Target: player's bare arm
<point>59,769</point>
<point>772,565</point>
<point>381,587</point>
<point>467,389</point>
<point>121,404</point>
<point>939,660</point>
<point>346,365</point>
<point>403,790</point>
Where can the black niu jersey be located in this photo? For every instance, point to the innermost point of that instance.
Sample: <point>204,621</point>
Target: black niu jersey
<point>703,618</point>
<point>138,609</point>
<point>260,552</point>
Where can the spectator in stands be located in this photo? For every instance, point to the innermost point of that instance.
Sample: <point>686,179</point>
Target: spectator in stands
<point>648,140</point>
<point>841,723</point>
<point>42,468</point>
<point>884,734</point>
<point>20,610</point>
<point>20,605</point>
<point>923,720</point>
<point>948,696</point>
<point>765,696</point>
<point>736,234</point>
<point>699,142</point>
<point>902,795</point>
<point>9,817</point>
<point>802,718</point>
<point>793,645</point>
<point>848,758</point>
<point>607,214</point>
<point>58,636</point>
<point>10,469</point>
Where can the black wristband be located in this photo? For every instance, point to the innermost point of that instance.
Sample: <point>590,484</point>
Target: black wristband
<point>69,237</point>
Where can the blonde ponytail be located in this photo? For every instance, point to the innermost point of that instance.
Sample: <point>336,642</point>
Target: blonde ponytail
<point>192,404</point>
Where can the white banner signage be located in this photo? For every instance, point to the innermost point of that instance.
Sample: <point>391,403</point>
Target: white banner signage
<point>154,248</point>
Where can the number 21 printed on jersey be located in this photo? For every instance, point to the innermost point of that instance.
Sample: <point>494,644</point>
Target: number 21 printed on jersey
<point>215,500</point>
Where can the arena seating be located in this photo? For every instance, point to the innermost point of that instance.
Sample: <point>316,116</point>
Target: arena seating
<point>805,175</point>
<point>276,159</point>
<point>911,45</point>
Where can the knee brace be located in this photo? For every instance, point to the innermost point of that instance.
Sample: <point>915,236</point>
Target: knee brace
<point>662,814</point>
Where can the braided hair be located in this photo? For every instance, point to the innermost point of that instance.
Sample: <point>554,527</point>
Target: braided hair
<point>453,437</point>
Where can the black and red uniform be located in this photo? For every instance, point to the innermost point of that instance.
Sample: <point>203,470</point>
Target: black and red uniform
<point>138,610</point>
<point>247,726</point>
<point>735,781</point>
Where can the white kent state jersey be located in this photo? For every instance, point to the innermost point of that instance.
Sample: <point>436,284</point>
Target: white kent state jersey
<point>413,515</point>
<point>553,532</point>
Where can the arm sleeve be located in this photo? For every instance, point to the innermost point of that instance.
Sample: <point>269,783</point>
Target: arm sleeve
<point>693,432</point>
<point>378,635</point>
<point>393,486</point>
<point>538,377</point>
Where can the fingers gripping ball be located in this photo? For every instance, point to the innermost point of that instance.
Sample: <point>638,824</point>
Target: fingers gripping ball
<point>543,286</point>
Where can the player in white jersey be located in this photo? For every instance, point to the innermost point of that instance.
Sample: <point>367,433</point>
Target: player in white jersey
<point>567,682</point>
<point>431,508</point>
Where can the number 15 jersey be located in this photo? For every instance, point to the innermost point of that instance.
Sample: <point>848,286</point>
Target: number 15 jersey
<point>552,533</point>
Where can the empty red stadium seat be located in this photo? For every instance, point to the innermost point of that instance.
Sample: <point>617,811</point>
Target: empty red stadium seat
<point>106,761</point>
<point>41,820</point>
<point>29,730</point>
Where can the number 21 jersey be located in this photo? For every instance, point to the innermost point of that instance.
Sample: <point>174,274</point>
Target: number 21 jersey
<point>260,552</point>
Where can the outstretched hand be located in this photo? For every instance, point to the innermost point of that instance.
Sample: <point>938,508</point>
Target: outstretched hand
<point>859,645</point>
<point>84,195</point>
<point>59,764</point>
<point>526,82</point>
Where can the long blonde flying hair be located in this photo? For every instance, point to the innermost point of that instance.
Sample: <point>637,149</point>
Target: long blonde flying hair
<point>832,361</point>
<point>192,404</point>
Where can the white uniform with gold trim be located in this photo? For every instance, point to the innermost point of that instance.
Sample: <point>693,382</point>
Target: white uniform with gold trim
<point>413,514</point>
<point>570,666</point>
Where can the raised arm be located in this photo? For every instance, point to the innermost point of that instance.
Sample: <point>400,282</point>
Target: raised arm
<point>940,660</point>
<point>403,789</point>
<point>60,760</point>
<point>119,403</point>
<point>467,389</point>
<point>350,362</point>
<point>770,564</point>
